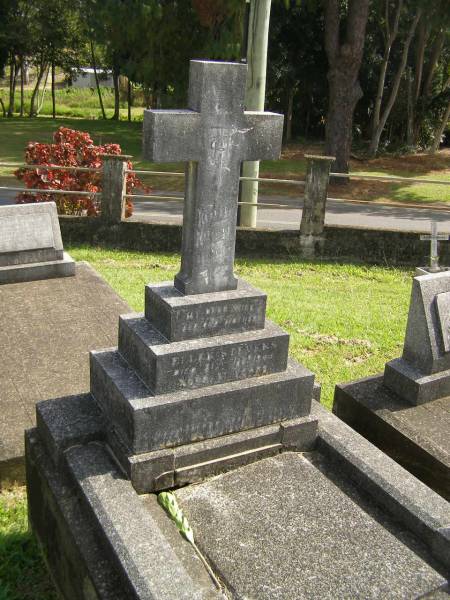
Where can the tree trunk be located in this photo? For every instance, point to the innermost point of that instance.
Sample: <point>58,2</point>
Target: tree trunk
<point>422,35</point>
<point>308,115</point>
<point>258,36</point>
<point>22,81</point>
<point>289,112</point>
<point>410,109</point>
<point>41,102</point>
<point>344,59</point>
<point>433,62</point>
<point>129,99</point>
<point>390,35</point>
<point>2,104</point>
<point>425,97</point>
<point>40,75</point>
<point>375,142</point>
<point>53,91</point>
<point>438,132</point>
<point>97,83</point>
<point>116,73</point>
<point>12,85</point>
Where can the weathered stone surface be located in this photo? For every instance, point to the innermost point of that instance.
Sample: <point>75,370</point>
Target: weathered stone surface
<point>424,340</point>
<point>29,233</point>
<point>79,565</point>
<point>39,270</point>
<point>114,187</point>
<point>299,434</point>
<point>218,135</point>
<point>31,245</point>
<point>423,372</point>
<point>47,329</point>
<point>69,421</point>
<point>179,317</point>
<point>316,191</point>
<point>417,437</point>
<point>147,422</point>
<point>137,546</point>
<point>406,498</point>
<point>209,361</point>
<point>102,540</point>
<point>197,462</point>
<point>427,270</point>
<point>291,527</point>
<point>411,384</point>
<point>108,521</point>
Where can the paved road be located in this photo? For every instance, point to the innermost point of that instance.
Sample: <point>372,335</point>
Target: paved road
<point>371,216</point>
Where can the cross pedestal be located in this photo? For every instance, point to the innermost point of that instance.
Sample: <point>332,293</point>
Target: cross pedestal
<point>434,238</point>
<point>213,136</point>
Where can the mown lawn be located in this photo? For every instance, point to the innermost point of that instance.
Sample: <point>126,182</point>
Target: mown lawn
<point>345,322</point>
<point>17,132</point>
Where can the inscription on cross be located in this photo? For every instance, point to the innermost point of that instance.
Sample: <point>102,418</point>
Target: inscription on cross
<point>213,136</point>
<point>434,238</point>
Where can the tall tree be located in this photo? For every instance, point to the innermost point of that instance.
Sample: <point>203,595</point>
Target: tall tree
<point>344,45</point>
<point>381,117</point>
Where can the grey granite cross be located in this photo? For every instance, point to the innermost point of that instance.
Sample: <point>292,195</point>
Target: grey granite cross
<point>213,137</point>
<point>434,238</point>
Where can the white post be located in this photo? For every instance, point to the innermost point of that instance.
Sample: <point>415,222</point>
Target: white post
<point>258,36</point>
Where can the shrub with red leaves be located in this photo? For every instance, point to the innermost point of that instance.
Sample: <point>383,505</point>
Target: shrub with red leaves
<point>70,148</point>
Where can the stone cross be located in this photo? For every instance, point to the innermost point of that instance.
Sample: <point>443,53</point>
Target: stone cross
<point>434,238</point>
<point>213,137</point>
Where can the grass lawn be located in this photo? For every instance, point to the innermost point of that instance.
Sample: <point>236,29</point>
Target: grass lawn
<point>345,322</point>
<point>17,132</point>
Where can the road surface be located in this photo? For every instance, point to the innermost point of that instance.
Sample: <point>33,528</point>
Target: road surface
<point>368,216</point>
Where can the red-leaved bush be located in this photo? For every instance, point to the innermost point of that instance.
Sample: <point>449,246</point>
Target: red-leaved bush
<point>70,148</point>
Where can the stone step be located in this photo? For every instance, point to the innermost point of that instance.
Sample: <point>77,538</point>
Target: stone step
<point>140,541</point>
<point>164,469</point>
<point>146,422</point>
<point>167,367</point>
<point>179,317</point>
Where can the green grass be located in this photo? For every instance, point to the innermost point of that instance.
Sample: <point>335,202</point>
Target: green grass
<point>345,322</point>
<point>73,102</point>
<point>22,572</point>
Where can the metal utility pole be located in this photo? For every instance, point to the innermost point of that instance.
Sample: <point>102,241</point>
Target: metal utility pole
<point>258,35</point>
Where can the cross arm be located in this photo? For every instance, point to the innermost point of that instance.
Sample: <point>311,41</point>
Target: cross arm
<point>440,237</point>
<point>264,135</point>
<point>171,135</point>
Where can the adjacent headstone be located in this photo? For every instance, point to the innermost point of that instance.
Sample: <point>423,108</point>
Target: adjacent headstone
<point>434,237</point>
<point>407,411</point>
<point>30,244</point>
<point>201,385</point>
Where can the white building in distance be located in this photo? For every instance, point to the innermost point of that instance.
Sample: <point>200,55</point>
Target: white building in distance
<point>85,78</point>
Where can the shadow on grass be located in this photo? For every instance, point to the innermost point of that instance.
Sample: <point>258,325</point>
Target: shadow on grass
<point>23,575</point>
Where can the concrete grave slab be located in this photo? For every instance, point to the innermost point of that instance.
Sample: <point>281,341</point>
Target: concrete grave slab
<point>31,245</point>
<point>338,520</point>
<point>47,329</point>
<point>290,527</point>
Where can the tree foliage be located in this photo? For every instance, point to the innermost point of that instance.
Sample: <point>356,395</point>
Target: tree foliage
<point>384,83</point>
